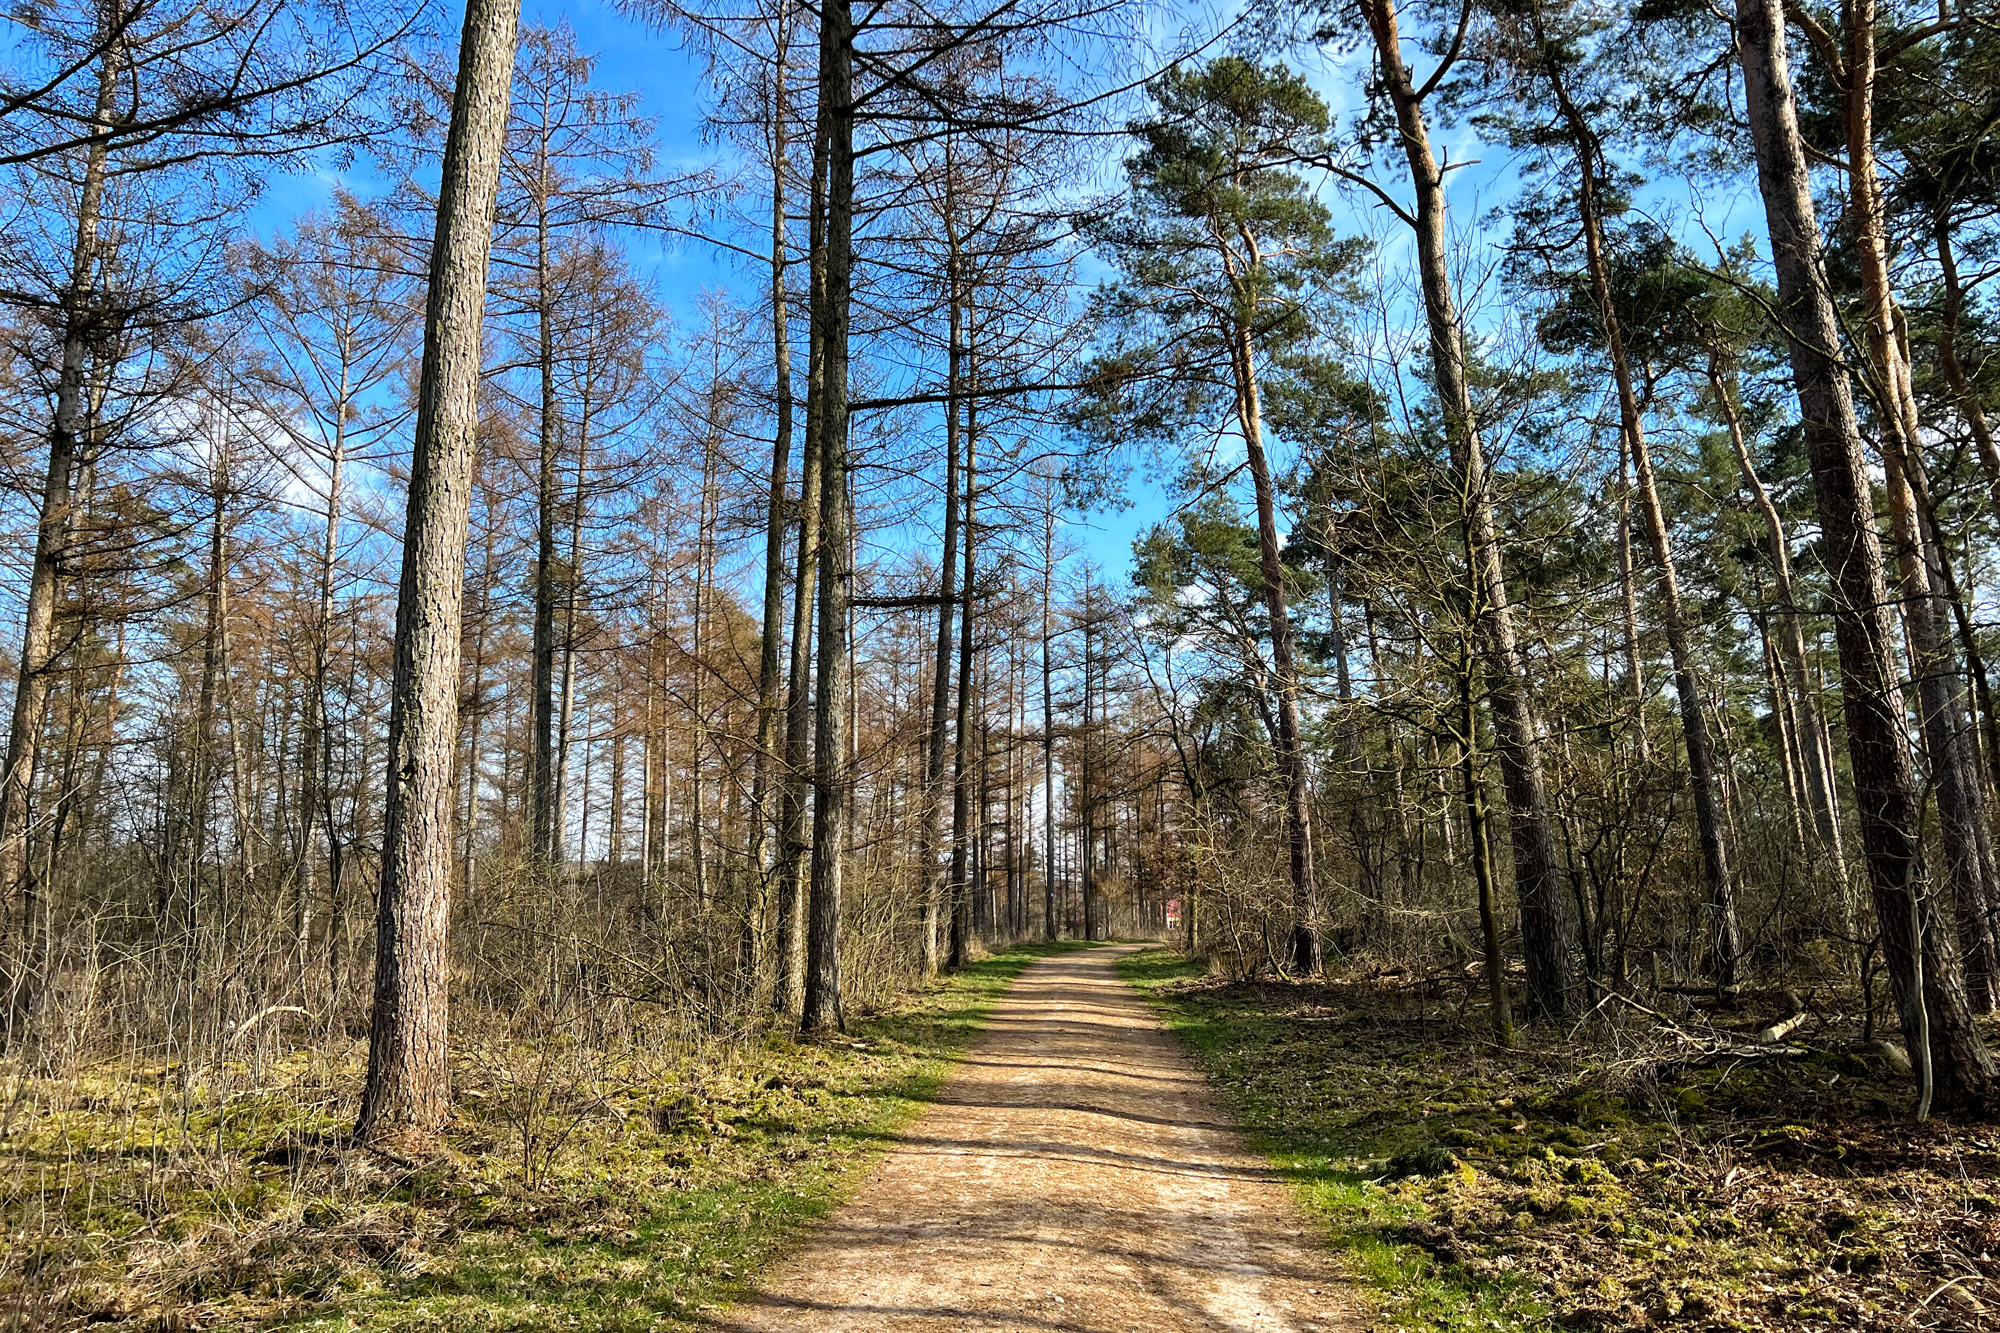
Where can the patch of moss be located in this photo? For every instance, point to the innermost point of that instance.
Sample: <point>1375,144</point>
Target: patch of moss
<point>1741,1195</point>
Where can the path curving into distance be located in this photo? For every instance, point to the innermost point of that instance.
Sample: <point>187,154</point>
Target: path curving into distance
<point>1076,1175</point>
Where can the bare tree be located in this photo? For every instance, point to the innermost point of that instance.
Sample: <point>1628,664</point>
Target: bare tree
<point>408,1089</point>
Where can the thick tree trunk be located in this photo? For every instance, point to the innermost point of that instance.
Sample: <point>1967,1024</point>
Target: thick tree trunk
<point>20,929</point>
<point>1885,783</point>
<point>1919,556</point>
<point>1548,930</point>
<point>408,1087</point>
<point>832,773</point>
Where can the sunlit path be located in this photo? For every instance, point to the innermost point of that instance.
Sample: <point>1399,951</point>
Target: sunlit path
<point>1076,1174</point>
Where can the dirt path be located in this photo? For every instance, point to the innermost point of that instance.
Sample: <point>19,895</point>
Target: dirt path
<point>1076,1174</point>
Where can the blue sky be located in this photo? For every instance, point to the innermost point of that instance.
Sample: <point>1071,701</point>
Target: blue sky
<point>639,57</point>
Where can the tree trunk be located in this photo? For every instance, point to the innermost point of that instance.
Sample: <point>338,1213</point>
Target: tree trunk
<point>832,775</point>
<point>20,929</point>
<point>1548,931</point>
<point>408,1087</point>
<point>1628,597</point>
<point>1499,1011</point>
<point>934,756</point>
<point>1292,772</point>
<point>543,769</point>
<point>1048,721</point>
<point>1941,699</point>
<point>961,785</point>
<point>1725,931</point>
<point>771,639</point>
<point>1884,779</point>
<point>1086,787</point>
<point>793,842</point>
<point>1951,310</point>
<point>1824,799</point>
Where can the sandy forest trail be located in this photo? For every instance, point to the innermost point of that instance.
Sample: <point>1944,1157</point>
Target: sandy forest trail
<point>1075,1175</point>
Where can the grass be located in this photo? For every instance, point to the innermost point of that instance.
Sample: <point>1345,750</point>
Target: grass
<point>577,1189</point>
<point>1556,1186</point>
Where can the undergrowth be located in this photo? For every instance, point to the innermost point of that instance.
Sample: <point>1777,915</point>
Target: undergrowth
<point>622,1190</point>
<point>1599,1185</point>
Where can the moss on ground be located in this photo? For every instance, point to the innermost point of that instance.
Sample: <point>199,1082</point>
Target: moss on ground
<point>578,1188</point>
<point>1569,1187</point>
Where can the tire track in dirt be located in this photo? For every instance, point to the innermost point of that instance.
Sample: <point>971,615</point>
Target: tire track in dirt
<point>1076,1175</point>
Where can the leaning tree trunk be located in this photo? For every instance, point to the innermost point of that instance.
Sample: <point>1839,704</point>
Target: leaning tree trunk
<point>1884,778</point>
<point>1725,931</point>
<point>1548,931</point>
<point>1292,774</point>
<point>408,1089</point>
<point>1950,313</point>
<point>1812,742</point>
<point>832,773</point>
<point>1948,742</point>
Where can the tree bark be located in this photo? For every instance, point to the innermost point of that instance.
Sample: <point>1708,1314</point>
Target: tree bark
<point>794,844</point>
<point>408,1087</point>
<point>1884,778</point>
<point>20,930</point>
<point>1951,310</point>
<point>1962,820</point>
<point>1500,1012</point>
<point>1548,930</point>
<point>1049,923</point>
<point>1304,951</point>
<point>771,639</point>
<point>961,786</point>
<point>1086,787</point>
<point>1812,742</point>
<point>1718,875</point>
<point>934,743</point>
<point>832,773</point>
<point>543,769</point>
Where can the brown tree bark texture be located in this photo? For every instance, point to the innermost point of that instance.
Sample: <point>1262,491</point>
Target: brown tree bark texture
<point>408,1088</point>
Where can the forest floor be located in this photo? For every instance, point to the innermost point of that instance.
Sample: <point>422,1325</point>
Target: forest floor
<point>577,1189</point>
<point>1608,1185</point>
<point>1076,1174</point>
